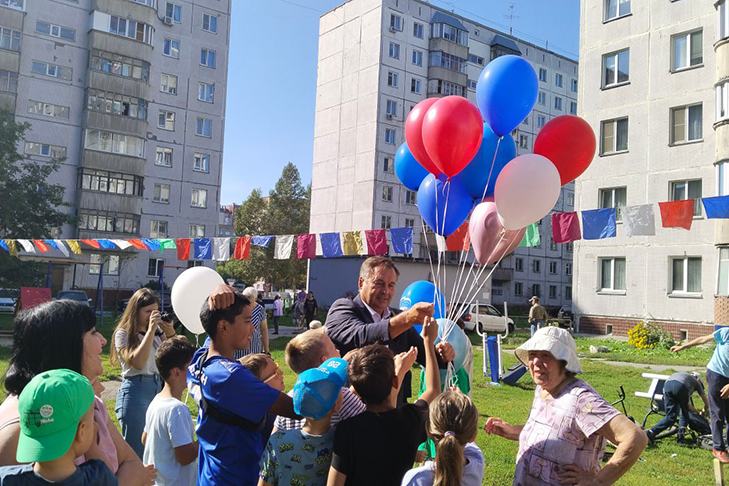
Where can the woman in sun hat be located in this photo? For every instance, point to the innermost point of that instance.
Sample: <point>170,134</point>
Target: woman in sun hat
<point>563,440</point>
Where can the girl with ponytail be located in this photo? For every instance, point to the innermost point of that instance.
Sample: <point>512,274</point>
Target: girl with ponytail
<point>453,426</point>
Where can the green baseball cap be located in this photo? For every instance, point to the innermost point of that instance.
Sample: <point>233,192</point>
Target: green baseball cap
<point>50,408</point>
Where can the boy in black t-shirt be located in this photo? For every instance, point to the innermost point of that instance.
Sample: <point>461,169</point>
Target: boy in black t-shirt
<point>379,445</point>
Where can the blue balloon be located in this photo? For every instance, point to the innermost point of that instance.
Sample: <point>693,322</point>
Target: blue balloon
<point>423,291</point>
<point>456,337</point>
<point>506,92</point>
<point>409,170</point>
<point>475,176</point>
<point>444,203</point>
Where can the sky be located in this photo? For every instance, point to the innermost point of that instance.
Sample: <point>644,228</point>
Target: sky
<point>272,77</point>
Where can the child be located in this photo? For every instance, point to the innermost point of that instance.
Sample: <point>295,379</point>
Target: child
<point>303,456</point>
<point>265,369</point>
<point>379,446</point>
<point>168,432</point>
<point>56,426</point>
<point>453,426</point>
<point>309,350</point>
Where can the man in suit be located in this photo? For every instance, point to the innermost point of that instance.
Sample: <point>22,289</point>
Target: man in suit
<point>369,319</point>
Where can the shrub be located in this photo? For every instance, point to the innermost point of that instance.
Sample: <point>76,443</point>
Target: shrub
<point>647,336</point>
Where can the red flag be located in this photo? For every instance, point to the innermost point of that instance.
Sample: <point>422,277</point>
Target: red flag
<point>306,246</point>
<point>565,227</point>
<point>138,244</point>
<point>677,214</point>
<point>91,243</point>
<point>242,248</point>
<point>376,241</point>
<point>459,240</point>
<point>183,248</point>
<point>41,246</point>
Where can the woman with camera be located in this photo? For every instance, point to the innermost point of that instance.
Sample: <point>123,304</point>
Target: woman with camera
<point>136,338</point>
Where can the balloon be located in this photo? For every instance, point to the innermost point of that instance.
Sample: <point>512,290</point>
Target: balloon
<point>505,93</point>
<point>423,291</point>
<point>452,132</point>
<point>408,170</point>
<point>456,337</point>
<point>569,142</point>
<point>486,232</point>
<point>190,290</point>
<point>526,190</point>
<point>414,134</point>
<point>444,203</point>
<point>475,176</point>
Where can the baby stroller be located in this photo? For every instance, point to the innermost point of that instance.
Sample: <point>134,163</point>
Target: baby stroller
<point>298,315</point>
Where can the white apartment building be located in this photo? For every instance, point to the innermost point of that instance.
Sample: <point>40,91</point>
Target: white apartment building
<point>648,87</point>
<point>132,93</point>
<point>377,60</point>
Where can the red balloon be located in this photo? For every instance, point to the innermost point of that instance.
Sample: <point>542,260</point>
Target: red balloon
<point>569,142</point>
<point>414,134</point>
<point>452,133</point>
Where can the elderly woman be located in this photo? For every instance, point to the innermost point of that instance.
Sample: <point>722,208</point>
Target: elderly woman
<point>563,440</point>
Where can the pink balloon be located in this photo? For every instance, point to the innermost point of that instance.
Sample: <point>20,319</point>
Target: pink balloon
<point>452,133</point>
<point>486,231</point>
<point>414,135</point>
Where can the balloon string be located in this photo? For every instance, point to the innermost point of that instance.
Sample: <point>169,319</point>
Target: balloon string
<point>491,170</point>
<point>456,282</point>
<point>442,283</point>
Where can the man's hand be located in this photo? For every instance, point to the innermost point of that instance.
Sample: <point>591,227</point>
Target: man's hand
<point>430,330</point>
<point>404,361</point>
<point>677,348</point>
<point>725,392</point>
<point>576,475</point>
<point>221,297</point>
<point>418,312</point>
<point>445,351</point>
<point>151,474</point>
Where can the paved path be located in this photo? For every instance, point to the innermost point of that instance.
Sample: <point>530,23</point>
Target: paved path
<point>650,367</point>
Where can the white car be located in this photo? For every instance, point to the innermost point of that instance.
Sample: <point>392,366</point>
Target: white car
<point>8,299</point>
<point>487,317</point>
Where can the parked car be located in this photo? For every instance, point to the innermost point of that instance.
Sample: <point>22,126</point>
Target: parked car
<point>8,299</point>
<point>565,312</point>
<point>77,295</point>
<point>268,303</point>
<point>487,317</point>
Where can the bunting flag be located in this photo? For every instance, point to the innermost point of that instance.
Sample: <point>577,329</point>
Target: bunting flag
<point>460,240</point>
<point>152,243</point>
<point>331,245</point>
<point>376,241</point>
<point>242,248</point>
<point>440,243</point>
<point>51,243</point>
<point>92,243</point>
<point>202,248</point>
<point>565,227</point>
<point>107,244</point>
<point>598,224</point>
<point>716,207</point>
<point>677,214</point>
<point>638,220</point>
<point>167,244</point>
<point>122,244</point>
<point>531,236</point>
<point>263,241</point>
<point>221,249</point>
<point>61,246</point>
<point>12,247</point>
<point>352,243</point>
<point>74,246</point>
<point>27,246</point>
<point>402,240</point>
<point>138,244</point>
<point>4,245</point>
<point>183,248</point>
<point>41,246</point>
<point>306,246</point>
<point>283,247</point>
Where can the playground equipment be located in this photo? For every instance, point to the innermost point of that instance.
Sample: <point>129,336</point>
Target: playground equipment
<point>493,365</point>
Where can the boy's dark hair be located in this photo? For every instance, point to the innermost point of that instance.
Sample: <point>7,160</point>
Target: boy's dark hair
<point>175,352</point>
<point>371,371</point>
<point>210,318</point>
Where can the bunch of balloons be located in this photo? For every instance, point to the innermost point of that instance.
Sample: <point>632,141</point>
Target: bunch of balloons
<point>462,159</point>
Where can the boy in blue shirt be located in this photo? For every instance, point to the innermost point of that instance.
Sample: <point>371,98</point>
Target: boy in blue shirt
<point>232,402</point>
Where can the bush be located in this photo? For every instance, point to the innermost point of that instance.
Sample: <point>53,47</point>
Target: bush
<point>647,336</point>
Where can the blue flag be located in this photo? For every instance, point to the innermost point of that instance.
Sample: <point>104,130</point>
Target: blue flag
<point>263,241</point>
<point>152,243</point>
<point>4,245</point>
<point>402,240</point>
<point>331,245</point>
<point>51,243</point>
<point>598,224</point>
<point>108,244</point>
<point>203,248</point>
<point>716,207</point>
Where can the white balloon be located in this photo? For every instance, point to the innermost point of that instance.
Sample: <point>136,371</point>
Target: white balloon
<point>190,291</point>
<point>526,190</point>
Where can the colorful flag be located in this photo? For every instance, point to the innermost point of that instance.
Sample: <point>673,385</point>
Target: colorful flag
<point>440,243</point>
<point>352,243</point>
<point>331,245</point>
<point>74,246</point>
<point>138,244</point>
<point>203,248</point>
<point>284,243</point>
<point>92,243</point>
<point>51,243</point>
<point>183,248</point>
<point>12,247</point>
<point>598,224</point>
<point>677,214</point>
<point>152,243</point>
<point>62,247</point>
<point>221,249</point>
<point>460,240</point>
<point>376,241</point>
<point>565,227</point>
<point>122,244</point>
<point>531,237</point>
<point>263,241</point>
<point>4,245</point>
<point>167,244</point>
<point>242,248</point>
<point>638,220</point>
<point>306,246</point>
<point>41,246</point>
<point>402,240</point>
<point>27,246</point>
<point>716,207</point>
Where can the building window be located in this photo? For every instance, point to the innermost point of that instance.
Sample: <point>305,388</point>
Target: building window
<point>448,32</point>
<point>414,86</point>
<point>210,23</point>
<point>118,65</point>
<point>392,79</point>
<point>613,197</point>
<point>388,165</point>
<point>53,30</point>
<point>612,275</point>
<point>8,81</point>
<point>472,84</point>
<point>558,80</point>
<point>164,157</point>
<point>108,222</point>
<point>131,29</point>
<point>110,264</point>
<point>558,103</point>
<point>541,120</point>
<point>518,264</point>
<point>168,84</point>
<point>201,163</point>
<point>390,134</point>
<point>166,120</point>
<point>394,51</point>
<point>552,247</point>
<point>570,200</point>
<point>111,182</point>
<point>52,70</point>
<point>387,193</point>
<point>682,190</point>
<point>568,247</point>
<point>174,12</point>
<point>446,88</point>
<point>391,108</point>
<point>685,275</point>
<point>14,4</point>
<point>616,8</point>
<point>537,266</point>
<point>158,229</point>
<point>478,60</point>
<point>614,136</point>
<point>723,286</point>
<point>385,222</point>
<point>204,127</point>
<point>45,150</point>
<point>722,177</point>
<point>543,75</point>
<point>161,193</point>
<point>568,292</point>
<point>171,48</point>
<point>523,141</point>
<point>686,124</point>
<point>573,107</point>
<point>116,104</point>
<point>542,98</point>
<point>154,269</point>
<point>448,61</point>
<point>518,288</point>
<point>205,92</point>
<point>197,231</point>
<point>723,13</point>
<point>573,85</point>
<point>411,198</point>
<point>207,58</point>
<point>553,267</point>
<point>537,290</point>
<point>568,268</point>
<point>418,30</point>
<point>615,68</point>
<point>409,222</point>
<point>194,263</point>
<point>199,198</point>
<point>417,57</point>
<point>115,143</point>
<point>552,291</point>
<point>48,109</point>
<point>395,23</point>
<point>686,50</point>
<point>525,121</point>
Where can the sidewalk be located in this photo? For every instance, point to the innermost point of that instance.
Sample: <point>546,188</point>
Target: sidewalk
<point>648,367</point>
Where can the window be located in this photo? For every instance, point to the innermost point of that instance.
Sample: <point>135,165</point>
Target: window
<point>523,141</point>
<point>686,50</point>
<point>519,264</point>
<point>478,60</point>
<point>115,143</point>
<point>685,275</point>
<point>394,51</point>
<point>558,103</point>
<point>55,30</point>
<point>207,58</point>
<point>686,124</point>
<point>111,182</point>
<point>131,29</point>
<point>395,22</point>
<point>722,178</point>
<point>171,48</point>
<point>118,65</point>
<point>537,266</point>
<point>448,32</point>
<point>448,61</point>
<point>553,267</point>
<point>723,13</point>
<point>48,109</point>
<point>417,57</point>
<point>612,275</point>
<point>418,30</point>
<point>525,121</point>
<point>616,8</point>
<point>164,157</point>
<point>199,198</point>
<point>518,288</point>
<point>541,120</point>
<point>158,229</point>
<point>568,268</point>
<point>723,286</point>
<point>613,197</point>
<point>194,263</point>
<point>386,221</point>
<point>45,150</point>
<point>116,104</point>
<point>573,85</point>
<point>204,127</point>
<point>205,92</point>
<point>168,84</point>
<point>161,193</point>
<point>568,247</point>
<point>552,247</point>
<point>391,108</point>
<point>166,120</point>
<point>197,231</point>
<point>537,290</point>
<point>411,198</point>
<point>542,98</point>
<point>390,136</point>
<point>552,291</point>
<point>387,193</point>
<point>558,80</point>
<point>472,84</point>
<point>201,163</point>
<point>210,23</point>
<point>174,12</point>
<point>388,165</point>
<point>568,292</point>
<point>615,68</point>
<point>570,199</point>
<point>573,107</point>
<point>414,86</point>
<point>52,70</point>
<point>90,219</point>
<point>154,268</point>
<point>9,39</point>
<point>14,4</point>
<point>614,136</point>
<point>446,88</point>
<point>542,75</point>
<point>110,264</point>
<point>149,3</point>
<point>392,79</point>
<point>682,190</point>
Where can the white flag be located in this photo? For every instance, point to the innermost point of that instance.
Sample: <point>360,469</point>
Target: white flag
<point>27,246</point>
<point>639,220</point>
<point>62,247</point>
<point>221,249</point>
<point>283,247</point>
<point>441,242</point>
<point>122,244</point>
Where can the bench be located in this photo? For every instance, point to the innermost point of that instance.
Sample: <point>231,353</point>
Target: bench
<point>654,394</point>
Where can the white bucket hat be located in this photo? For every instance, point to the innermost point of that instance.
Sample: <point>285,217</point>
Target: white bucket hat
<point>555,340</point>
